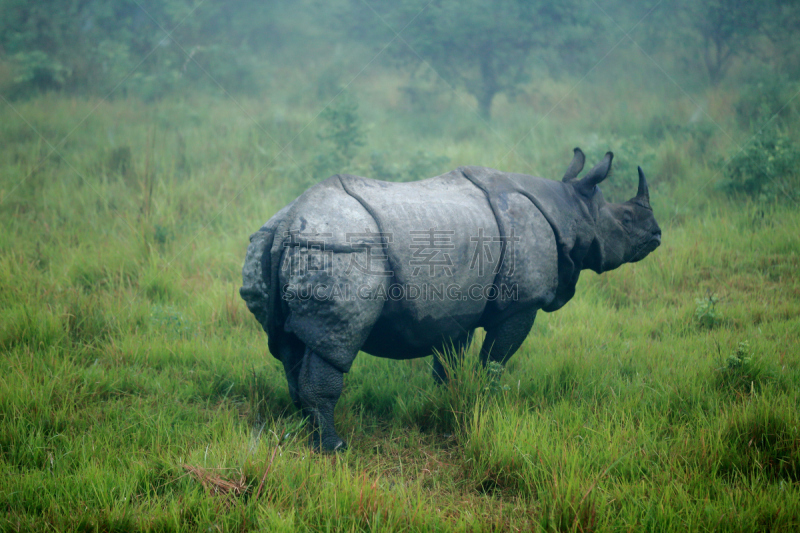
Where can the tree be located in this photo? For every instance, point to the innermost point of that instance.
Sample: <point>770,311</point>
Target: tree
<point>716,32</point>
<point>485,47</point>
<point>729,28</point>
<point>92,46</point>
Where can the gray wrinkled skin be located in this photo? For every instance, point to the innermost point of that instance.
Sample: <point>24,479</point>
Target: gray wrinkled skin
<point>538,236</point>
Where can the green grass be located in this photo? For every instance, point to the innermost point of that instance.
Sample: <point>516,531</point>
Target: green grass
<point>127,353</point>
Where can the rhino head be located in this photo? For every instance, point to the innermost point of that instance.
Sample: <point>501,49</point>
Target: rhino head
<point>614,233</point>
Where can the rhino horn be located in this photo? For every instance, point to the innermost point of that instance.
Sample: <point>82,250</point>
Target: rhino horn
<point>575,166</point>
<point>643,194</point>
<point>595,176</point>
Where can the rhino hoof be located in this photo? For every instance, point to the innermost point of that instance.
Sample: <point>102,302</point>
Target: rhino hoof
<point>331,445</point>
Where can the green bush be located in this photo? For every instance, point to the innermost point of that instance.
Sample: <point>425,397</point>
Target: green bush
<point>741,372</point>
<point>706,314</point>
<point>342,133</point>
<point>766,168</point>
<point>39,71</point>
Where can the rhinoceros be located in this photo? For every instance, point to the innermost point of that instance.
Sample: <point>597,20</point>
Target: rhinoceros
<point>406,270</point>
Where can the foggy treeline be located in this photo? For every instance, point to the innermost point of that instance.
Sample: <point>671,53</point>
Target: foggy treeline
<point>150,48</point>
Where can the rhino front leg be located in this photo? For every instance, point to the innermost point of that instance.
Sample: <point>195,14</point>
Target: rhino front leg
<point>319,387</point>
<point>505,338</point>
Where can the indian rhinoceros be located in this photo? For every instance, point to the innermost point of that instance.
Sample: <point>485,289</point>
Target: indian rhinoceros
<point>406,270</point>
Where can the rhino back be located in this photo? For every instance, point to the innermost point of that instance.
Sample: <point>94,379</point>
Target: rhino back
<point>433,225</point>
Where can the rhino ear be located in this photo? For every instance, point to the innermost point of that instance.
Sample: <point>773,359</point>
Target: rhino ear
<point>643,194</point>
<point>596,175</point>
<point>576,166</point>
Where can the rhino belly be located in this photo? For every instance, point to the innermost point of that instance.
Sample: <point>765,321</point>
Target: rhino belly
<point>399,335</point>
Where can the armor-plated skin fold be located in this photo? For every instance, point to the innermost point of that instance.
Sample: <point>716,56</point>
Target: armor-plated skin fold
<point>305,280</point>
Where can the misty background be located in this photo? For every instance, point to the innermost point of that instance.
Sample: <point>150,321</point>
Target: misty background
<point>351,85</point>
<point>151,49</point>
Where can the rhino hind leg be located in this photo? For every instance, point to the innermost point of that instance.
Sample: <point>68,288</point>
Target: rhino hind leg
<point>319,387</point>
<point>292,350</point>
<point>453,356</point>
<point>504,339</point>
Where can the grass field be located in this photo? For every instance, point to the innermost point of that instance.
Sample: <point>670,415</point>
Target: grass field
<point>137,392</point>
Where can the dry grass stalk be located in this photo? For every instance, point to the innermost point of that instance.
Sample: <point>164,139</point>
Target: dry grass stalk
<point>217,485</point>
<point>266,472</point>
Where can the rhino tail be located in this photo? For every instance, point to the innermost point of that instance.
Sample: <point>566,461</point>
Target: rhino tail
<point>255,288</point>
<point>260,285</point>
<point>270,267</point>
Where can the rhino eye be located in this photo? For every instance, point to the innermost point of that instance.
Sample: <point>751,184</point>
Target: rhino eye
<point>627,217</point>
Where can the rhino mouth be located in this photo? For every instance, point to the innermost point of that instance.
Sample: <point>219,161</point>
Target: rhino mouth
<point>648,246</point>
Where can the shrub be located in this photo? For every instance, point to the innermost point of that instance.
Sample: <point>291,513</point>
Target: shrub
<point>342,132</point>
<point>494,371</point>
<point>741,372</point>
<point>765,168</point>
<point>706,314</point>
<point>39,71</point>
